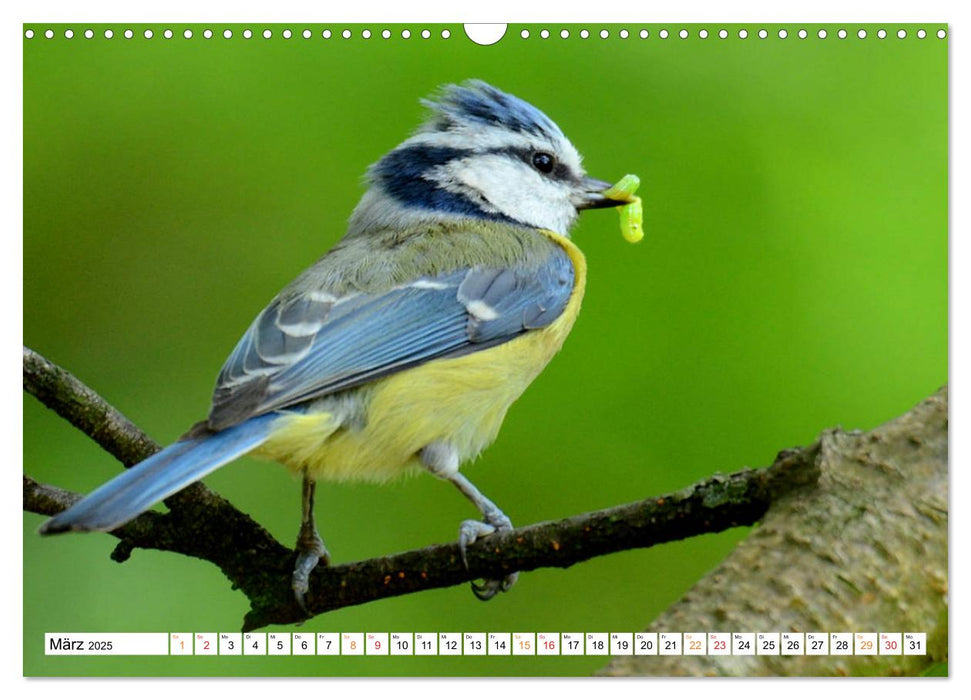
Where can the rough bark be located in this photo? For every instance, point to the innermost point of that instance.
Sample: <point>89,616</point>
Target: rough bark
<point>862,550</point>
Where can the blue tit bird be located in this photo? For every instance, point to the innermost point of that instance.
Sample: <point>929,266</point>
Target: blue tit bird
<point>402,349</point>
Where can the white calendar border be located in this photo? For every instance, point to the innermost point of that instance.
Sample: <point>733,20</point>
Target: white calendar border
<point>11,645</point>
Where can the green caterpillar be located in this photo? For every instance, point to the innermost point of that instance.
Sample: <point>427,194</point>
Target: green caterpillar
<point>632,213</point>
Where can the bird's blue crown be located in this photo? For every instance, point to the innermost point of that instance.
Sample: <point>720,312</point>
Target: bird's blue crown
<point>477,102</point>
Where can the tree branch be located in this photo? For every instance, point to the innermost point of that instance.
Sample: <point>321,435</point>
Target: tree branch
<point>202,524</point>
<point>83,408</point>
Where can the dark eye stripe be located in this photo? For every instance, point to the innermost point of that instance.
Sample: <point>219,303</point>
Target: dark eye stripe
<point>560,172</point>
<point>402,172</point>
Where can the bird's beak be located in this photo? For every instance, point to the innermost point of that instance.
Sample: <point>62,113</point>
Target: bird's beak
<point>590,195</point>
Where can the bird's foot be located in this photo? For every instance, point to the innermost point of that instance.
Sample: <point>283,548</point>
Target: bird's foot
<point>472,530</point>
<point>310,552</point>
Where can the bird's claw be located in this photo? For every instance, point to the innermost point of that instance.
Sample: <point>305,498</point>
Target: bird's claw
<point>310,552</point>
<point>472,530</point>
<point>488,589</point>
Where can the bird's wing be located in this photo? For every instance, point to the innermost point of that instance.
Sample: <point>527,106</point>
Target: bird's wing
<point>308,345</point>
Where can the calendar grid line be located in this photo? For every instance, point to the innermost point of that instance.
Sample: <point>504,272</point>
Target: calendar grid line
<point>368,644</point>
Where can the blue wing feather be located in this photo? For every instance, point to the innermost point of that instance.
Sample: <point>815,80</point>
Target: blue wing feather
<point>279,362</point>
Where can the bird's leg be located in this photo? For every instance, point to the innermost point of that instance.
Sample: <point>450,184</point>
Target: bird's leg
<point>494,520</point>
<point>443,462</point>
<point>310,547</point>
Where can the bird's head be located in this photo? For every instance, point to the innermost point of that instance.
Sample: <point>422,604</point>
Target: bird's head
<point>483,154</point>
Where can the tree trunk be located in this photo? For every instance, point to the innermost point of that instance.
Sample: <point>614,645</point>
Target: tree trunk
<point>863,550</point>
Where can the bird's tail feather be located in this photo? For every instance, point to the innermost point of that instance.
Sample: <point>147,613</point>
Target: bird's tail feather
<point>164,473</point>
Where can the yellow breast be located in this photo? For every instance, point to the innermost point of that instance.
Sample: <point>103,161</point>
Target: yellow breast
<point>460,400</point>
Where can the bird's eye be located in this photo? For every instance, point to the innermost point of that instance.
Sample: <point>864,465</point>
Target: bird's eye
<point>544,162</point>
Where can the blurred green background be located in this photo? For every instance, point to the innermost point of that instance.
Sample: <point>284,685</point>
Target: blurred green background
<point>793,277</point>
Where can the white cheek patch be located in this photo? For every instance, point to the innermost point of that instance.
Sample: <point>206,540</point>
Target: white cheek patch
<point>505,186</point>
